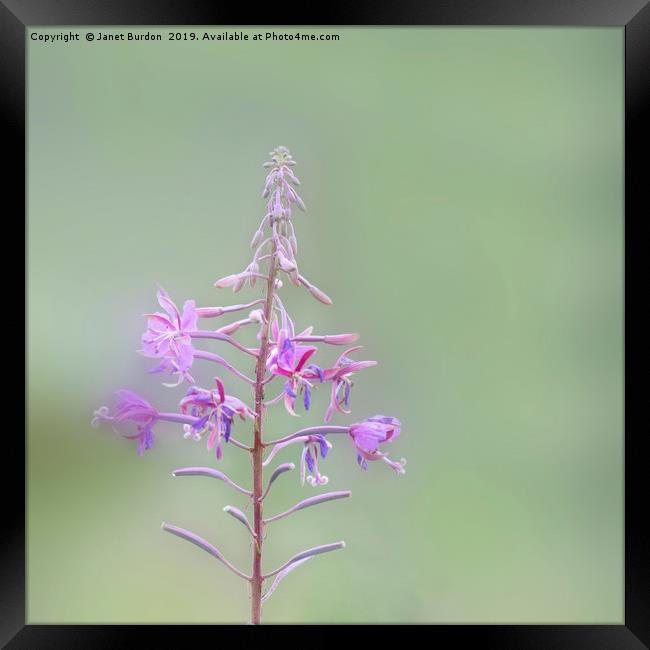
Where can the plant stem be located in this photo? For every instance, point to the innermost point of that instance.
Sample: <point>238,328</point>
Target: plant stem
<point>258,448</point>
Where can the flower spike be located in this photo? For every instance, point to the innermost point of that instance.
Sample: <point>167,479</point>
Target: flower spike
<point>295,359</point>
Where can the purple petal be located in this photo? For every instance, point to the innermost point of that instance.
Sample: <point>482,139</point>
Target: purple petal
<point>162,366</point>
<point>318,370</point>
<point>322,443</point>
<point>310,460</point>
<point>168,305</point>
<point>199,424</point>
<point>346,399</point>
<point>190,316</point>
<point>288,389</point>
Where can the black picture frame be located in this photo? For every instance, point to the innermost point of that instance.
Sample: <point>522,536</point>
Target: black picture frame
<point>16,16</point>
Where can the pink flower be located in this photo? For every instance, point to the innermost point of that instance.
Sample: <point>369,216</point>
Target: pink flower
<point>341,377</point>
<point>167,337</point>
<point>133,418</point>
<point>369,434</point>
<point>289,360</point>
<point>309,460</point>
<point>215,412</point>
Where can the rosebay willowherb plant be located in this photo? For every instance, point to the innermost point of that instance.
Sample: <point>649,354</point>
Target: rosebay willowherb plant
<point>281,353</point>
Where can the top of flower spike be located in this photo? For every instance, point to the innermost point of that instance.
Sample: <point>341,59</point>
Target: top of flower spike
<point>280,156</point>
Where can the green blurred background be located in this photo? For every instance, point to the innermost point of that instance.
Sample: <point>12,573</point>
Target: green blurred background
<point>464,194</point>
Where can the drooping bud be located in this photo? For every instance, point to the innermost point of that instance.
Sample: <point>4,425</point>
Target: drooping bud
<point>227,281</point>
<point>321,296</point>
<point>289,267</point>
<point>292,177</point>
<point>285,263</point>
<point>253,268</point>
<point>239,284</point>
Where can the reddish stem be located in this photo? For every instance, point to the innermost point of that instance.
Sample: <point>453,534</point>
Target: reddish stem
<point>258,449</point>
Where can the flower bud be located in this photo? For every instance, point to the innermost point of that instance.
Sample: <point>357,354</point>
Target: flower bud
<point>253,268</point>
<point>209,312</point>
<point>227,281</point>
<point>256,238</point>
<point>321,296</point>
<point>239,284</point>
<point>231,328</point>
<point>285,263</point>
<point>340,339</point>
